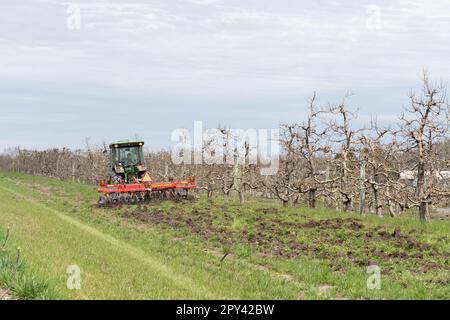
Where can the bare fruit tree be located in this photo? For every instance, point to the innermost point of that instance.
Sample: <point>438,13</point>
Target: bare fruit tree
<point>345,163</point>
<point>285,185</point>
<point>327,158</point>
<point>425,124</point>
<point>308,143</point>
<point>381,170</point>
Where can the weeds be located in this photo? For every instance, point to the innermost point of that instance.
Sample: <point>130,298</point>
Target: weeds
<point>21,283</point>
<point>258,250</point>
<point>5,241</point>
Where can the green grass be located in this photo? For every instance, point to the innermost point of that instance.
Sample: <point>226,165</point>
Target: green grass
<point>15,276</point>
<point>173,250</point>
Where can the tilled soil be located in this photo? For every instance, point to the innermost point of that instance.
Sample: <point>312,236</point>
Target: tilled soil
<point>272,237</point>
<point>5,294</point>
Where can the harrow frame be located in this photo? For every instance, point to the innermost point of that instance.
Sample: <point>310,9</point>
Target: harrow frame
<point>140,192</point>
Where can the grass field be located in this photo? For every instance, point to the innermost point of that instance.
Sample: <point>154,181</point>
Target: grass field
<point>16,280</point>
<point>202,250</point>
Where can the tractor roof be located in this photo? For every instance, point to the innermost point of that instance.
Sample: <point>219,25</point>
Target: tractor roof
<point>126,144</point>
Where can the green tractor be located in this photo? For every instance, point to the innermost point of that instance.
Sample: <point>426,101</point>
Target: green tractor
<point>131,183</point>
<point>127,161</point>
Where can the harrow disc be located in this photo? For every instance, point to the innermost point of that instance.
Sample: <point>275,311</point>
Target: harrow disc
<point>104,201</point>
<point>136,198</point>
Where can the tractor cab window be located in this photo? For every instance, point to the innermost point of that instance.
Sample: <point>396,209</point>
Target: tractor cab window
<point>129,156</point>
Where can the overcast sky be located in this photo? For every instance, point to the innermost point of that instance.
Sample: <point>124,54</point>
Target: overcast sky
<point>148,67</point>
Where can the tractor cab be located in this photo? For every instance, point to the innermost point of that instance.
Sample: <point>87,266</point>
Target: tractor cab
<point>127,161</point>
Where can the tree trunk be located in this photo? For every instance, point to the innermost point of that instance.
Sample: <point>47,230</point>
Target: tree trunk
<point>376,201</point>
<point>210,194</point>
<point>241,197</point>
<point>73,172</point>
<point>312,198</point>
<point>362,191</point>
<point>424,214</point>
<point>378,211</point>
<point>392,212</point>
<point>347,204</point>
<point>424,211</point>
<point>337,204</point>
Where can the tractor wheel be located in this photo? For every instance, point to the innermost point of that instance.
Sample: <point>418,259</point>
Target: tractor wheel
<point>104,201</point>
<point>125,198</point>
<point>147,197</point>
<point>141,197</point>
<point>134,199</point>
<point>115,199</point>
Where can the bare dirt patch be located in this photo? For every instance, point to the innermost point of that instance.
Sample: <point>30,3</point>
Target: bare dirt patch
<point>403,240</point>
<point>335,224</point>
<point>267,210</point>
<point>360,243</point>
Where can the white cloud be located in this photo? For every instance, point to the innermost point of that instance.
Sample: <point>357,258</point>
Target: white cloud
<point>203,2</point>
<point>227,47</point>
<point>235,49</point>
<point>435,9</point>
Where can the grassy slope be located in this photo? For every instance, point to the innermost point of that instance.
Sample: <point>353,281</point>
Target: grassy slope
<point>17,281</point>
<point>121,257</point>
